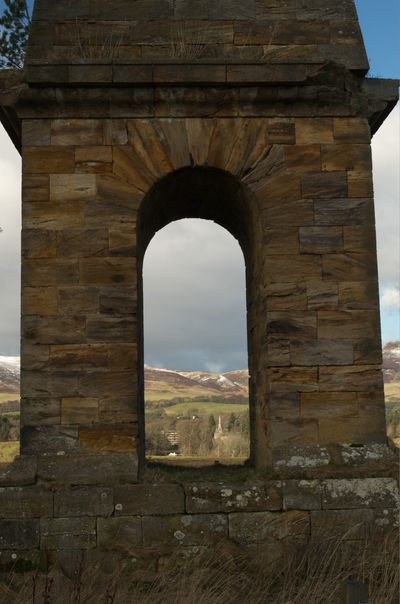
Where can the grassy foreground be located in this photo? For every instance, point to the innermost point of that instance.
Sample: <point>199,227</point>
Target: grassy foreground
<point>313,573</point>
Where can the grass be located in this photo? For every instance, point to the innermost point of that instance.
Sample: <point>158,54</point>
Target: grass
<point>165,391</point>
<point>392,392</point>
<point>274,573</point>
<point>9,396</point>
<point>9,450</point>
<point>206,408</point>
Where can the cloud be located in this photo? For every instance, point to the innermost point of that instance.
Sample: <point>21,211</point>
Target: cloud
<point>390,298</point>
<point>386,162</point>
<point>10,242</point>
<point>195,298</point>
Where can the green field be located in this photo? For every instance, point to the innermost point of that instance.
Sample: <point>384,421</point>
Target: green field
<point>206,408</point>
<point>9,450</point>
<point>392,392</point>
<point>8,396</point>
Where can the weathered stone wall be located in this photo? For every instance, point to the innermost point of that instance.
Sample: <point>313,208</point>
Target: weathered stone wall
<point>148,32</point>
<point>314,336</point>
<point>155,519</point>
<point>255,114</point>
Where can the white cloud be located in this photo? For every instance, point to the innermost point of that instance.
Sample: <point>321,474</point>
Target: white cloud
<point>386,162</point>
<point>390,298</point>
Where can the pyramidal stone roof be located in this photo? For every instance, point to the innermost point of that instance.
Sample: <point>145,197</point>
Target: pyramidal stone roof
<point>151,32</point>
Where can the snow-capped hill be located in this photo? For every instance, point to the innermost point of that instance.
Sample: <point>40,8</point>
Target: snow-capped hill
<point>9,374</point>
<point>391,361</point>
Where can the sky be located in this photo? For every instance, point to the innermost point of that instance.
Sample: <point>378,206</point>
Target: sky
<point>195,311</point>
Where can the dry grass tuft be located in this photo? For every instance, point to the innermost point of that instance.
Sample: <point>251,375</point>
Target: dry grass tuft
<point>311,573</point>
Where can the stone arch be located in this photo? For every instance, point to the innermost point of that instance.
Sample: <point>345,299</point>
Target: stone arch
<point>211,194</point>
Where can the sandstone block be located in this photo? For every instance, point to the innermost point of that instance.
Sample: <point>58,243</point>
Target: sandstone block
<point>346,157</point>
<point>77,132</point>
<point>329,404</point>
<point>351,378</point>
<point>232,9</point>
<point>49,272</point>
<point>78,357</point>
<point>21,471</point>
<point>359,239</point>
<point>117,300</point>
<point>49,439</point>
<point>114,438</point>
<point>297,212</point>
<point>278,351</point>
<point>39,243</point>
<point>120,533</point>
<point>198,529</point>
<point>35,187</point>
<point>344,211</point>
<point>291,324</point>
<point>81,411</point>
<point>36,133</point>
<point>40,412</point>
<point>314,131</point>
<point>356,324</point>
<point>149,500</point>
<point>320,240</point>
<point>118,410</point>
<point>293,269</point>
<point>54,330</point>
<point>205,497</point>
<point>25,502</point>
<point>75,300</point>
<point>360,184</point>
<point>49,160</point>
<point>358,294</point>
<point>90,468</point>
<point>67,533</point>
<point>95,74</point>
<point>122,241</point>
<point>34,356</point>
<point>82,242</point>
<point>293,431</point>
<point>300,457</point>
<point>355,456</point>
<point>349,267</point>
<point>83,502</point>
<point>303,158</point>
<point>256,527</point>
<point>345,524</point>
<point>19,534</point>
<point>41,301</point>
<point>111,329</point>
<point>322,295</point>
<point>322,352</point>
<point>72,187</point>
<point>351,130</point>
<point>281,241</point>
<point>302,495</point>
<point>54,216</point>
<point>326,185</point>
<point>107,271</point>
<point>358,493</point>
<point>286,296</point>
<point>284,405</point>
<point>293,379</point>
<point>108,384</point>
<point>359,430</point>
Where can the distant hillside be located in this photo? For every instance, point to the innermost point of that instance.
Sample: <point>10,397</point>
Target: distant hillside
<point>391,362</point>
<point>165,384</point>
<point>9,374</point>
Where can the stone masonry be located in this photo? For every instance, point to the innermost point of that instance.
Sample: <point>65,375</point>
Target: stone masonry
<point>255,114</point>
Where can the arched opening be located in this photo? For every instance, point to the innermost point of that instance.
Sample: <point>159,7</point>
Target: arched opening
<point>195,346</point>
<point>211,195</point>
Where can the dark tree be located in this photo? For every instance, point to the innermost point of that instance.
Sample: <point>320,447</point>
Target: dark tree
<point>14,28</point>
